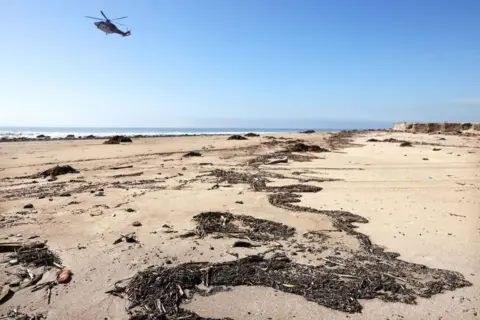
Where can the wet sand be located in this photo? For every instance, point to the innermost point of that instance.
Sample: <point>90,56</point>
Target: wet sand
<point>428,211</point>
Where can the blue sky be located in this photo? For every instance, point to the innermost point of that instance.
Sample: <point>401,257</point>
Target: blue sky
<point>245,63</point>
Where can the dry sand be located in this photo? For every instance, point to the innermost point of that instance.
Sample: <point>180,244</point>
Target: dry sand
<point>428,211</point>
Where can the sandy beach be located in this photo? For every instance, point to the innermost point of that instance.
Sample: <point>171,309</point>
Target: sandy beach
<point>362,229</point>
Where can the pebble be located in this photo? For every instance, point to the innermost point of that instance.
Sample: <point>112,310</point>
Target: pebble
<point>114,214</point>
<point>28,206</point>
<point>136,223</point>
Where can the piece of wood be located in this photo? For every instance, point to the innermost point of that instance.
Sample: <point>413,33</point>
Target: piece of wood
<point>333,262</point>
<point>10,246</point>
<point>394,277</point>
<point>14,246</point>
<point>275,161</point>
<point>5,294</point>
<point>122,167</point>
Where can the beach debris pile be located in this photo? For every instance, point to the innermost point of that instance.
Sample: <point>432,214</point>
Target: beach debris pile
<point>237,137</point>
<point>30,263</point>
<point>223,224</point>
<point>403,143</point>
<point>406,144</point>
<point>342,139</point>
<point>16,315</point>
<point>256,181</point>
<point>55,171</point>
<point>117,140</point>
<point>293,188</point>
<point>251,134</point>
<point>337,284</point>
<point>192,154</point>
<point>302,147</point>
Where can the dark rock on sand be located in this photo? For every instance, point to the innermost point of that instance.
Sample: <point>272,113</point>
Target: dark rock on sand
<point>308,131</point>
<point>28,206</point>
<point>251,134</point>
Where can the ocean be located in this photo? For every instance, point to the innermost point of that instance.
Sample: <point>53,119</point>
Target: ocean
<point>58,132</point>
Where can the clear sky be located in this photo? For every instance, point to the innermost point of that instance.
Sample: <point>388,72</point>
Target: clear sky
<point>246,63</point>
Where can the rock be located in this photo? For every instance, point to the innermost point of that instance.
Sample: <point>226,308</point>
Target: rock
<point>65,194</point>
<point>63,276</point>
<point>406,144</point>
<point>251,134</point>
<point>308,131</point>
<point>41,136</point>
<point>70,136</point>
<point>130,210</point>
<point>436,149</point>
<point>239,202</point>
<point>237,137</point>
<point>28,206</point>
<point>136,223</point>
<point>425,159</point>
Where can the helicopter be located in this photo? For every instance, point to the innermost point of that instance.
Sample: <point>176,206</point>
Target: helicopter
<point>107,26</point>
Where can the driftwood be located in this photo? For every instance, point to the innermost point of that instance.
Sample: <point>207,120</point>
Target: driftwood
<point>275,161</point>
<point>124,167</point>
<point>14,246</point>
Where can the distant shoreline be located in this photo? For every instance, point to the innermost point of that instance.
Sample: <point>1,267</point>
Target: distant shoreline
<point>34,134</point>
<point>139,136</point>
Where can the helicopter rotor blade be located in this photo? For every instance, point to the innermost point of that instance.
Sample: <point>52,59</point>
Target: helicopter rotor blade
<point>120,18</point>
<point>93,18</point>
<point>120,24</point>
<point>103,14</point>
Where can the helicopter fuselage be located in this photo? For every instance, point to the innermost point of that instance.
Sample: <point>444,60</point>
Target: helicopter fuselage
<point>106,27</point>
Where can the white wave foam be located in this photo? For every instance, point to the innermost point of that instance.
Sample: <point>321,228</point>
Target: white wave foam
<point>59,135</point>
